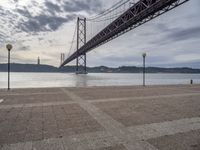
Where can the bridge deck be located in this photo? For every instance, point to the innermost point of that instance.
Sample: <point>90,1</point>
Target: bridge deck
<point>101,118</point>
<point>140,13</point>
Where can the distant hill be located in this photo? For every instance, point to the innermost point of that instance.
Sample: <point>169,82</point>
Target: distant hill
<point>28,68</point>
<point>133,69</point>
<point>100,69</point>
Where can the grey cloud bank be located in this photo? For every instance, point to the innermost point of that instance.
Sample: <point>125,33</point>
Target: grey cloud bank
<point>54,15</point>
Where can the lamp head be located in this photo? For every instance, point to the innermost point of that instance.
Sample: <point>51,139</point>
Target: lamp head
<point>9,47</point>
<point>144,54</point>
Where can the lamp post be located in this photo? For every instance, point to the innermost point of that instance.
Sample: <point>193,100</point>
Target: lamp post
<point>9,47</point>
<point>144,69</point>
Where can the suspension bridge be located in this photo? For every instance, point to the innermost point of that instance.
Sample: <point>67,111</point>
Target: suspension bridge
<point>120,18</point>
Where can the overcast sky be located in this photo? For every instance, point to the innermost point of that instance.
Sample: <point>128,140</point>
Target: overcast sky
<point>45,28</point>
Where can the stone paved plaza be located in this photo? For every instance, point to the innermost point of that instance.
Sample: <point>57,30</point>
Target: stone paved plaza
<point>101,118</point>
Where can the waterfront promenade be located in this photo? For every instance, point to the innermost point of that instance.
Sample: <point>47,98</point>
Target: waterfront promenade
<point>101,118</point>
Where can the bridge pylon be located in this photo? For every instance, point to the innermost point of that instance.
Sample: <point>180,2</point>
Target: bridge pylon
<point>81,67</point>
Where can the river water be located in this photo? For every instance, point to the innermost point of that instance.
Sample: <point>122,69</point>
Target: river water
<point>33,80</point>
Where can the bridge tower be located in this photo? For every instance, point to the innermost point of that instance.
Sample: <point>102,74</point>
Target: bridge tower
<point>81,67</point>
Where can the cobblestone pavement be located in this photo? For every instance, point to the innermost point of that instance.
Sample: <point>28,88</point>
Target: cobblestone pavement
<point>101,118</point>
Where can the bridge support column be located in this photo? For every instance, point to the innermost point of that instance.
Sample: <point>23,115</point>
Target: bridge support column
<point>81,67</point>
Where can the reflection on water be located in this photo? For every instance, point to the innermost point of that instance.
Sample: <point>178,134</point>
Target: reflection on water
<point>22,80</point>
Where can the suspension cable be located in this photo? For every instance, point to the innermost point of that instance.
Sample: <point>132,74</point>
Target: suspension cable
<point>72,41</point>
<point>112,8</point>
<point>108,18</point>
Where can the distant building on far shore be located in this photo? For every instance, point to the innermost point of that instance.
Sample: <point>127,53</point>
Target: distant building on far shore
<point>38,61</point>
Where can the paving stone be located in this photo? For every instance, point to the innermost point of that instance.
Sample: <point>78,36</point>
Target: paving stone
<point>29,91</point>
<point>149,131</point>
<point>48,144</point>
<point>117,147</point>
<point>18,146</point>
<point>35,136</point>
<point>31,99</point>
<point>117,92</point>
<point>73,119</point>
<point>138,112</point>
<point>51,134</point>
<point>181,141</point>
<point>110,125</point>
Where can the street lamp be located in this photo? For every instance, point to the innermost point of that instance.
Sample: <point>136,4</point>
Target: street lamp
<point>144,69</point>
<point>9,47</point>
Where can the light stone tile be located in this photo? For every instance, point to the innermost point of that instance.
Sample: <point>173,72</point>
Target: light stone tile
<point>48,144</point>
<point>111,126</point>
<point>18,146</point>
<point>154,130</point>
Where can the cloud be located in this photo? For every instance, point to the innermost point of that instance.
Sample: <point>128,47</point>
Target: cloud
<point>24,12</point>
<point>42,23</point>
<point>2,37</point>
<point>52,17</point>
<point>185,34</point>
<point>40,39</point>
<point>24,48</point>
<point>82,5</point>
<point>35,17</point>
<point>176,35</point>
<point>53,8</point>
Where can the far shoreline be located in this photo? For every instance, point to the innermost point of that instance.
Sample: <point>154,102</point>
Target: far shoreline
<point>34,68</point>
<point>107,72</point>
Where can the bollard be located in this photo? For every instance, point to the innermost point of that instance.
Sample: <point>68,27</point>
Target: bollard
<point>191,82</point>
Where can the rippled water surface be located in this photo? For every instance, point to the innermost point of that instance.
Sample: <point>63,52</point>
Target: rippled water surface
<point>23,80</point>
